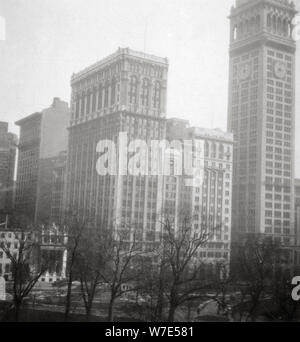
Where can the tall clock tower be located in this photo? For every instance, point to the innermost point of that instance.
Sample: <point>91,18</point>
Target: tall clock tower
<point>261,115</point>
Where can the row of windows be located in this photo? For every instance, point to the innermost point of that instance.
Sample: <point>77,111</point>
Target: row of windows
<point>109,94</point>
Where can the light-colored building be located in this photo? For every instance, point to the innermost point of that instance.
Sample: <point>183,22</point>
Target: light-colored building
<point>125,92</point>
<point>206,197</point>
<point>8,143</point>
<point>43,136</point>
<point>261,115</point>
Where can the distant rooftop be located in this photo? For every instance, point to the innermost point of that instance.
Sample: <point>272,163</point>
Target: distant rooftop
<point>56,103</point>
<point>216,133</point>
<point>120,52</point>
<point>286,3</point>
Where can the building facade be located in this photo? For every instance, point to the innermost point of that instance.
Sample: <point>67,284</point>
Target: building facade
<point>206,196</point>
<point>8,143</point>
<point>43,136</point>
<point>261,115</point>
<point>48,245</point>
<point>297,211</point>
<point>124,93</point>
<point>58,187</point>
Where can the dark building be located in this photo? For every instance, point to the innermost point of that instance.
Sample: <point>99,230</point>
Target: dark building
<point>8,143</point>
<point>43,136</point>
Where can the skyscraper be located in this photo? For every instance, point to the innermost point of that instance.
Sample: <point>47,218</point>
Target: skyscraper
<point>205,200</point>
<point>261,115</point>
<point>43,136</point>
<point>125,92</point>
<point>8,143</point>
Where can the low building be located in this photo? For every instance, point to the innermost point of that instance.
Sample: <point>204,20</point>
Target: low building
<point>48,245</point>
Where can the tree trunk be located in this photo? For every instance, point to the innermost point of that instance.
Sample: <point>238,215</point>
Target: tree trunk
<point>173,306</point>
<point>111,309</point>
<point>17,310</point>
<point>88,310</point>
<point>172,310</point>
<point>68,298</point>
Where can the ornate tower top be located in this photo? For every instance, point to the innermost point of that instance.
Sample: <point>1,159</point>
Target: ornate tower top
<point>255,21</point>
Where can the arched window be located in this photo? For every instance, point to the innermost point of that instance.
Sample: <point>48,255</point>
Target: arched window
<point>157,95</point>
<point>274,24</point>
<point>213,150</point>
<point>285,27</point>
<point>221,151</point>
<point>88,102</point>
<point>77,107</point>
<point>145,92</point>
<point>83,105</point>
<point>100,97</point>
<point>269,23</point>
<point>106,95</point>
<point>133,90</point>
<point>94,100</point>
<point>206,149</point>
<point>279,26</point>
<point>257,22</point>
<point>247,27</point>
<point>113,92</point>
<point>290,29</point>
<point>234,33</point>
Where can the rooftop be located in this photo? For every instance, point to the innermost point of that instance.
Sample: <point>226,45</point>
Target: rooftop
<point>283,3</point>
<point>211,133</point>
<point>120,53</point>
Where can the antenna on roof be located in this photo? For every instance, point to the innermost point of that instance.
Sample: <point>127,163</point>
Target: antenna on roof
<point>145,35</point>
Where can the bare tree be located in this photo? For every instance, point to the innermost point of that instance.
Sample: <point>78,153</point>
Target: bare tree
<point>25,274</point>
<point>121,251</point>
<point>75,226</point>
<point>89,267</point>
<point>255,263</point>
<point>182,265</point>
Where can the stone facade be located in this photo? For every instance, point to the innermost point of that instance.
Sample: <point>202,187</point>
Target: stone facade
<point>125,92</point>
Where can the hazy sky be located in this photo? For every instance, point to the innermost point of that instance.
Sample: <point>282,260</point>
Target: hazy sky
<point>48,40</point>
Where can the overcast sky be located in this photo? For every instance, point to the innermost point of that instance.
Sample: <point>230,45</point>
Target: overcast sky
<point>48,40</point>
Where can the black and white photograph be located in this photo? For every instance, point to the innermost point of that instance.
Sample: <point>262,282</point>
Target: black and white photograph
<point>150,163</point>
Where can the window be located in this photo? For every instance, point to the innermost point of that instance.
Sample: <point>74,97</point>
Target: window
<point>100,97</point>
<point>113,92</point>
<point>133,90</point>
<point>145,92</point>
<point>106,95</point>
<point>157,96</point>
